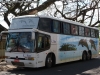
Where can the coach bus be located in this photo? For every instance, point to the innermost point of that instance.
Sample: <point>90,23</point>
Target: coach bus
<point>37,41</point>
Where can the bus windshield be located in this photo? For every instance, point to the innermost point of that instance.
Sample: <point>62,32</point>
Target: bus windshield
<point>19,42</point>
<point>26,22</point>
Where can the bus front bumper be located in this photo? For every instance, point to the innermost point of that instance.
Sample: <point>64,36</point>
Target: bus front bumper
<point>22,63</point>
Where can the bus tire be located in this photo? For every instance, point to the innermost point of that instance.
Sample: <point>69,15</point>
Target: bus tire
<point>89,56</point>
<point>49,61</point>
<point>84,56</point>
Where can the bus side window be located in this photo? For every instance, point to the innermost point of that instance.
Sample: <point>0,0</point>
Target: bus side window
<point>74,29</point>
<point>81,31</point>
<point>92,33</point>
<point>87,32</point>
<point>96,33</point>
<point>66,28</point>
<point>45,24</point>
<point>56,26</point>
<point>40,42</point>
<point>47,42</point>
<point>43,42</point>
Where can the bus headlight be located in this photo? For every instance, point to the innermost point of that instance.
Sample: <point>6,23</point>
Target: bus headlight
<point>30,58</point>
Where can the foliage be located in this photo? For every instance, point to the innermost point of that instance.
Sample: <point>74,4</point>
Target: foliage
<point>84,11</point>
<point>22,8</point>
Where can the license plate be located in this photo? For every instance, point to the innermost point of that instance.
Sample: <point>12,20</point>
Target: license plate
<point>16,60</point>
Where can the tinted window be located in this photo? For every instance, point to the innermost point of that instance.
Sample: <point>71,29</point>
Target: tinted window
<point>87,32</point>
<point>92,33</point>
<point>56,26</point>
<point>40,42</point>
<point>20,42</point>
<point>74,30</point>
<point>97,33</point>
<point>81,31</point>
<point>66,28</point>
<point>43,42</point>
<point>45,24</point>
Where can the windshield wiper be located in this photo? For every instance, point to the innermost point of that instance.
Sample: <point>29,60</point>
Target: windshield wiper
<point>13,49</point>
<point>17,48</point>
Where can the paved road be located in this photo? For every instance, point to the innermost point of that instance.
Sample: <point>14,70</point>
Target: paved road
<point>91,67</point>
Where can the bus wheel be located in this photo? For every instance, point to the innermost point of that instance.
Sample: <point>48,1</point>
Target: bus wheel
<point>49,61</point>
<point>89,56</point>
<point>84,56</point>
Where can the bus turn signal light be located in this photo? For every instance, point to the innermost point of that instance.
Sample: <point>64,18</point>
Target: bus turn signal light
<point>31,58</point>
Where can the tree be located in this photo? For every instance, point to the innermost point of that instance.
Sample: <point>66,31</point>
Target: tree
<point>77,10</point>
<point>18,9</point>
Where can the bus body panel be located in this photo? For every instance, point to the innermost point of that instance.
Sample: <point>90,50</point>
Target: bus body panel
<point>70,48</point>
<point>41,58</point>
<point>62,55</point>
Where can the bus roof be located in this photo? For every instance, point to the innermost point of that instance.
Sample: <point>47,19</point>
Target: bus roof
<point>63,20</point>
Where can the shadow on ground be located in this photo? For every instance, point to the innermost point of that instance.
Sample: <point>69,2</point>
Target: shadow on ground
<point>90,67</point>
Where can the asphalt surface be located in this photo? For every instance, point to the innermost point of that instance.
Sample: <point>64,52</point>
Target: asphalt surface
<point>91,67</point>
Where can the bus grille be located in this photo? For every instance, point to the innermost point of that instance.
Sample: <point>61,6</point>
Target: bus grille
<point>18,63</point>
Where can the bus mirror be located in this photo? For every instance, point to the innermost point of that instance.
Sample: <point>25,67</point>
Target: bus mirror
<point>33,36</point>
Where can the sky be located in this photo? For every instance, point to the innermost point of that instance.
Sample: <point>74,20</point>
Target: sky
<point>3,23</point>
<point>10,16</point>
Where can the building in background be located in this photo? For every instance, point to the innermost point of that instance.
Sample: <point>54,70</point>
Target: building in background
<point>2,44</point>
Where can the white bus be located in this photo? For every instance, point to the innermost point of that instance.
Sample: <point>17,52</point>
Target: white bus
<point>37,41</point>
